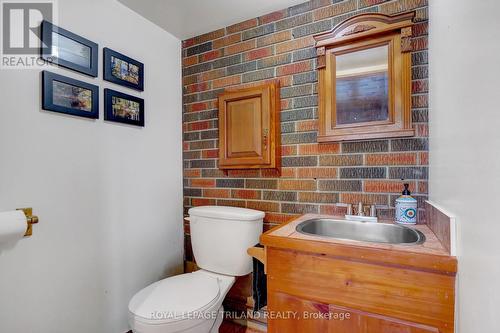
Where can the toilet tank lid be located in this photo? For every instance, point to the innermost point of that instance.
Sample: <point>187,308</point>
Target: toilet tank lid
<point>227,213</point>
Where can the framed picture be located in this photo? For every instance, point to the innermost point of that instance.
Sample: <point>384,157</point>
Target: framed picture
<point>66,49</point>
<point>123,108</point>
<point>120,69</point>
<point>66,95</point>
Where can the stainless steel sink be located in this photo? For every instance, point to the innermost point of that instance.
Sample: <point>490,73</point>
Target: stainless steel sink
<point>361,231</point>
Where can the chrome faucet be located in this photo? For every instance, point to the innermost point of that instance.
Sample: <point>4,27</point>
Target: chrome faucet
<point>363,212</point>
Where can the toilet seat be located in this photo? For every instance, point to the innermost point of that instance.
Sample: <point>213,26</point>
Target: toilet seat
<point>175,299</point>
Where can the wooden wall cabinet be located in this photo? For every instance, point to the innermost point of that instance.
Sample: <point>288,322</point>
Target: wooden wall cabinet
<point>364,89</point>
<point>249,128</point>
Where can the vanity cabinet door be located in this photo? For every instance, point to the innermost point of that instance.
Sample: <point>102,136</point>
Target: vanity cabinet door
<point>352,321</point>
<point>249,132</point>
<point>292,314</point>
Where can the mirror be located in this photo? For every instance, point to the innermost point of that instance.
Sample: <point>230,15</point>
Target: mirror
<point>364,78</point>
<point>362,86</point>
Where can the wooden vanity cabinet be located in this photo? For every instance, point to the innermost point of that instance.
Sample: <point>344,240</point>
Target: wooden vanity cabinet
<point>309,292</point>
<point>249,128</point>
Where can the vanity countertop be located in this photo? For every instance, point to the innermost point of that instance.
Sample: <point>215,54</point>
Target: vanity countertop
<point>431,255</point>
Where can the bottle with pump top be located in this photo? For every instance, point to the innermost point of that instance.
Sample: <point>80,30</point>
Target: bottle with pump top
<point>406,207</point>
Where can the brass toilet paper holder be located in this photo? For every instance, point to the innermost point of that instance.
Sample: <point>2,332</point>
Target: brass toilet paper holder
<point>30,220</point>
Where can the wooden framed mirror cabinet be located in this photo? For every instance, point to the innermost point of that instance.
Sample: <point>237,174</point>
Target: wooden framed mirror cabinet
<point>364,85</point>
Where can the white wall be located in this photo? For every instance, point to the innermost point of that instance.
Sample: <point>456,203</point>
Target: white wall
<point>109,196</point>
<point>465,147</point>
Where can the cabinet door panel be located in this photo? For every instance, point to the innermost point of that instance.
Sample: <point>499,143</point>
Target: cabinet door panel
<point>345,320</point>
<point>292,314</point>
<point>249,128</point>
<point>244,128</point>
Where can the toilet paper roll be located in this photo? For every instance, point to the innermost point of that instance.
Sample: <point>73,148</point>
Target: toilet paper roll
<point>12,226</point>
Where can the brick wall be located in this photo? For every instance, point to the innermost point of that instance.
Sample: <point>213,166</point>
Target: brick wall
<point>315,178</point>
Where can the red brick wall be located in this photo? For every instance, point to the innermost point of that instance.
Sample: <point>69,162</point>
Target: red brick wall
<point>315,178</point>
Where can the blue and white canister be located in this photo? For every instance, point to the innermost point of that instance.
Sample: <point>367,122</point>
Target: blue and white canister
<point>406,208</point>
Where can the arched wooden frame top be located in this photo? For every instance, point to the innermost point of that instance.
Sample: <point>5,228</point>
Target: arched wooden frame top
<point>362,32</point>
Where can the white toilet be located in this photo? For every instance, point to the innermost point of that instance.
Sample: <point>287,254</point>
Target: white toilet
<point>192,302</point>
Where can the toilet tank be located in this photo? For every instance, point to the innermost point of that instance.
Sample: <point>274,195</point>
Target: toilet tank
<point>220,237</point>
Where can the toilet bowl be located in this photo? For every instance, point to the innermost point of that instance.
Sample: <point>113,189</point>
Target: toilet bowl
<point>192,302</point>
<point>189,302</point>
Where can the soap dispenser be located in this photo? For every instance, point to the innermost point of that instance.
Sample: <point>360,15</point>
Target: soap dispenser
<point>406,207</point>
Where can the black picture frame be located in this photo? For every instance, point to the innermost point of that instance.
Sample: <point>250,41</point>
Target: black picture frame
<point>109,115</point>
<point>91,69</point>
<point>50,99</point>
<point>108,75</point>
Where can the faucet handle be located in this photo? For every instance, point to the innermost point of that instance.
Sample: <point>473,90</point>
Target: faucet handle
<point>349,209</point>
<point>360,209</point>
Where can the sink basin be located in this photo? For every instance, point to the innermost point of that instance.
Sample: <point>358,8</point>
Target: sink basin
<point>361,231</point>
